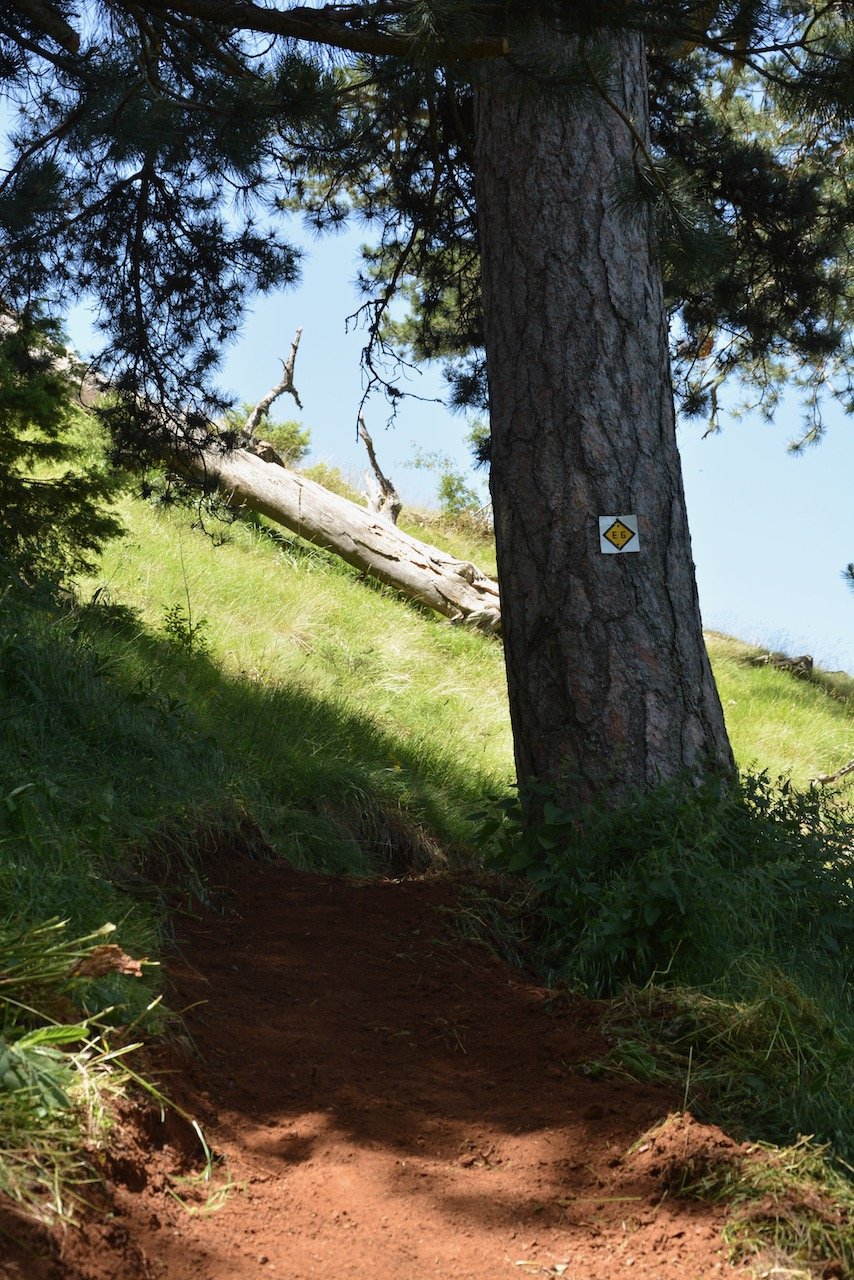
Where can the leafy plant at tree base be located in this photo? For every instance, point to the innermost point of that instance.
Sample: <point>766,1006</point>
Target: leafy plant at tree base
<point>683,881</point>
<point>722,918</point>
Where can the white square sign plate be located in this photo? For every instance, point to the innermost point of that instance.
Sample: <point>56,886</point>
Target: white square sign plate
<point>618,535</point>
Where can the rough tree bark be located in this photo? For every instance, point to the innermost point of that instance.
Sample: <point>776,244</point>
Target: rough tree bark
<point>452,587</point>
<point>609,681</point>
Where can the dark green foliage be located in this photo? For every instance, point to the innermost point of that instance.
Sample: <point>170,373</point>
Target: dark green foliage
<point>770,304</point>
<point>719,922</point>
<point>152,162</point>
<point>746,174</point>
<point>137,175</point>
<point>52,517</point>
<point>685,883</point>
<point>479,442</point>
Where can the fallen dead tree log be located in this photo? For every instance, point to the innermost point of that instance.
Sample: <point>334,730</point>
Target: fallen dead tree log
<point>452,587</point>
<point>254,478</point>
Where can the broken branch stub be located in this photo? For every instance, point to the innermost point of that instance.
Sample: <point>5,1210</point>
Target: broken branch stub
<point>382,497</point>
<point>286,385</point>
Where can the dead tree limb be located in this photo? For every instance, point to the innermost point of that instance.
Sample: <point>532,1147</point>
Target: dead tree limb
<point>823,778</point>
<point>281,388</point>
<point>455,588</point>
<point>383,498</point>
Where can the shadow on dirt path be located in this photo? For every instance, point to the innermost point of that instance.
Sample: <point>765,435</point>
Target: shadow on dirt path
<point>390,1101</point>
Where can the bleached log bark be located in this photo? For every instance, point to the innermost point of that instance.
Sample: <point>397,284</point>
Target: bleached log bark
<point>383,499</point>
<point>452,587</point>
<point>455,588</point>
<point>823,778</point>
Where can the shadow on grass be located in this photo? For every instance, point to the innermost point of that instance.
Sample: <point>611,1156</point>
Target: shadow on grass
<point>114,741</point>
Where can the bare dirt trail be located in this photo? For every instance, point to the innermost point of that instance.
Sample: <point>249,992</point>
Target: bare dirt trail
<point>390,1102</point>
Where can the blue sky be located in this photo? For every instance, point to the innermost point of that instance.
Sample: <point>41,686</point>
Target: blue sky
<point>771,532</point>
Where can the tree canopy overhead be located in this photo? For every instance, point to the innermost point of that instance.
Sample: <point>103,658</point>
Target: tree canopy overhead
<point>531,169</point>
<point>153,145</point>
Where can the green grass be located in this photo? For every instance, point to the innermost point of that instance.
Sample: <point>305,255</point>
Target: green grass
<point>463,536</point>
<point>790,1213</point>
<point>797,728</point>
<point>194,689</point>
<point>247,690</point>
<point>770,1064</point>
<point>63,1062</point>
<point>280,612</point>
<point>313,673</point>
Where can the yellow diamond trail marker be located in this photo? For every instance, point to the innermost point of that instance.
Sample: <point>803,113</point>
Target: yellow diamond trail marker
<point>618,535</point>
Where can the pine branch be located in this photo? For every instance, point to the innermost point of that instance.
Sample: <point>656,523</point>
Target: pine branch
<point>337,27</point>
<point>45,18</point>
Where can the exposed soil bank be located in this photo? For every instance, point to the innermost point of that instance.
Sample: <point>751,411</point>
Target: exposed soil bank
<point>389,1101</point>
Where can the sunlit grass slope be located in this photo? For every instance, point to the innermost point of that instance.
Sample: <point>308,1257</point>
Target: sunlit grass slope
<point>208,678</point>
<point>280,613</point>
<point>300,668</point>
<point>791,727</point>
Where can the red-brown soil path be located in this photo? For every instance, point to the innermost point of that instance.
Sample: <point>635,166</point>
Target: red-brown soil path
<point>390,1102</point>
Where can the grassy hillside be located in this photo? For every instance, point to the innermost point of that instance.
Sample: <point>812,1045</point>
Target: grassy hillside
<point>235,687</point>
<point>281,613</point>
<point>799,728</point>
<point>204,678</point>
<point>240,671</point>
<point>314,672</point>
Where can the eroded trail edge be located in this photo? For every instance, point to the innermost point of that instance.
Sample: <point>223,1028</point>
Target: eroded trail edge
<point>389,1101</point>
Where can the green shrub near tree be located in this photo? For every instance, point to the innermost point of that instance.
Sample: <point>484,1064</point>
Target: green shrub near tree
<point>53,490</point>
<point>720,919</point>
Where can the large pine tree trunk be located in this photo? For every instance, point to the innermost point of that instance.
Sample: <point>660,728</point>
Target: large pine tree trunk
<point>609,681</point>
